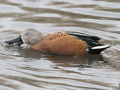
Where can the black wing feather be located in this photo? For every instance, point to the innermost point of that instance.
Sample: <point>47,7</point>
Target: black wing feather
<point>91,40</point>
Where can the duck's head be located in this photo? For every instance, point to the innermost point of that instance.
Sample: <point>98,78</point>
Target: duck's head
<point>29,36</point>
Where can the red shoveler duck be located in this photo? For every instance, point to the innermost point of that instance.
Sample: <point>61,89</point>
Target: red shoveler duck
<point>62,42</point>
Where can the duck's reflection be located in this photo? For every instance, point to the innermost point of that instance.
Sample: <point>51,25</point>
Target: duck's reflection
<point>63,60</point>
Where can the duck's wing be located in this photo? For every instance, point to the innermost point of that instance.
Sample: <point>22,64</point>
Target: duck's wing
<point>91,40</point>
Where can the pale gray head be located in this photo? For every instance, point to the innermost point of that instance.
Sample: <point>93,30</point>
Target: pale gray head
<point>29,36</point>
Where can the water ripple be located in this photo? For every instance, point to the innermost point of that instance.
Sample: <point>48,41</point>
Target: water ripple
<point>23,68</point>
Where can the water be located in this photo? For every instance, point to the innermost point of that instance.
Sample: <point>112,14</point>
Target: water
<point>26,69</point>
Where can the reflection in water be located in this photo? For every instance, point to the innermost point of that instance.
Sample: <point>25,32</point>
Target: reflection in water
<point>27,69</point>
<point>62,59</point>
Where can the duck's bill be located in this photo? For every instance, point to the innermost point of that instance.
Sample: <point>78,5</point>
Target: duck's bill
<point>16,40</point>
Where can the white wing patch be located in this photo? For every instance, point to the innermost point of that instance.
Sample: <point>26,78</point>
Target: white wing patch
<point>100,47</point>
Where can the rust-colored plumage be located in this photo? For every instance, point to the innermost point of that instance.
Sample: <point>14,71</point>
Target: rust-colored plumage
<point>61,43</point>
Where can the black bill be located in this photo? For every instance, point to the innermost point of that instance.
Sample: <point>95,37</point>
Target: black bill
<point>16,40</point>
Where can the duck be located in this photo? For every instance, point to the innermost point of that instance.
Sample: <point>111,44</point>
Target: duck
<point>61,42</point>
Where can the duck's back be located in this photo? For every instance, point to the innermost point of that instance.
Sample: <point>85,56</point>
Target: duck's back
<point>61,43</point>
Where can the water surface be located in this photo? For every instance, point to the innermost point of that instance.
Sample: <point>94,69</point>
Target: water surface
<point>27,69</point>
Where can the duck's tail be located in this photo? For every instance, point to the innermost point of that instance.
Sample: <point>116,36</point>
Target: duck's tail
<point>97,49</point>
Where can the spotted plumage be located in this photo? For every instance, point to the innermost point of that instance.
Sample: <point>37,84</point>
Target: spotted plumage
<point>62,42</point>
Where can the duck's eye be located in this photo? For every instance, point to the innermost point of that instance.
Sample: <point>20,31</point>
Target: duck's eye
<point>26,34</point>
